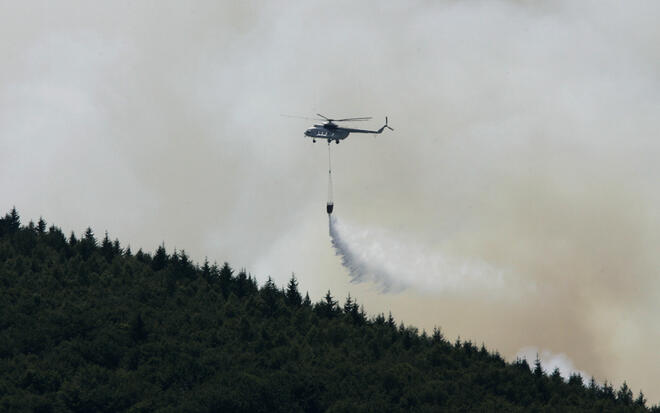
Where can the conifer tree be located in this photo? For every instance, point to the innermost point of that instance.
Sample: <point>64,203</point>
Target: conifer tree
<point>242,284</point>
<point>640,400</point>
<point>41,226</point>
<point>10,223</point>
<point>607,391</point>
<point>160,258</point>
<point>206,269</point>
<point>555,377</point>
<point>293,297</point>
<point>390,321</point>
<point>225,279</point>
<point>269,293</point>
<point>593,387</point>
<point>379,320</point>
<point>89,237</point>
<point>14,220</point>
<point>106,247</point>
<point>575,379</point>
<point>538,370</point>
<point>87,244</point>
<point>116,248</point>
<point>437,335</point>
<point>306,301</point>
<point>327,307</point>
<point>624,395</point>
<point>348,305</point>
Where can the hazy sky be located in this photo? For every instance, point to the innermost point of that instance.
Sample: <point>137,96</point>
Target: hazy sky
<point>526,140</point>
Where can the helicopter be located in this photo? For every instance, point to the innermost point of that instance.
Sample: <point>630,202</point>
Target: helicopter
<point>330,131</point>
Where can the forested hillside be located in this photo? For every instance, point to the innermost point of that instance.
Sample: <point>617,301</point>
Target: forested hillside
<point>87,326</point>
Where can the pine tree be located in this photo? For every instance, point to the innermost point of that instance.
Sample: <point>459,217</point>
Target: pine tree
<point>89,237</point>
<point>87,244</point>
<point>242,284</point>
<point>576,380</point>
<point>437,335</point>
<point>607,391</point>
<point>640,400</point>
<point>10,223</point>
<point>206,269</point>
<point>352,309</point>
<point>41,226</point>
<point>593,387</point>
<point>379,320</point>
<point>225,279</point>
<point>160,258</point>
<point>116,248</point>
<point>306,301</point>
<point>624,395</point>
<point>538,370</point>
<point>293,297</point>
<point>140,256</point>
<point>14,220</point>
<point>390,321</point>
<point>348,305</point>
<point>555,377</point>
<point>327,308</point>
<point>106,247</point>
<point>72,239</point>
<point>269,293</point>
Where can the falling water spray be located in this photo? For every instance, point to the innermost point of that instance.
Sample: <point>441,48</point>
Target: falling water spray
<point>394,265</point>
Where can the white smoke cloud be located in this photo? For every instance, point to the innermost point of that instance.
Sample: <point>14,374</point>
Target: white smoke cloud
<point>394,264</point>
<point>551,361</point>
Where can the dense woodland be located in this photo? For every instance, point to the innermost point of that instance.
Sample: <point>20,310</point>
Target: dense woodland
<point>87,326</point>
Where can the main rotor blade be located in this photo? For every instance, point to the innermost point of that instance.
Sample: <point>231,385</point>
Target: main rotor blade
<point>345,119</point>
<point>300,117</point>
<point>353,119</point>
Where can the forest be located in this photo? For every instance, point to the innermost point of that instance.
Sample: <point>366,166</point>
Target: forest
<point>87,325</point>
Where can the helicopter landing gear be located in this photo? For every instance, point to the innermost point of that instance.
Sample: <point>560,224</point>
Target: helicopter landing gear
<point>337,141</point>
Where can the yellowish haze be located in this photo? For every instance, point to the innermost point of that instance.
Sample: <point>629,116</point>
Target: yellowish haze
<point>526,139</point>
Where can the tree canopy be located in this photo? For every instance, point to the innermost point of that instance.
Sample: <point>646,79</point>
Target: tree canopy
<point>87,327</point>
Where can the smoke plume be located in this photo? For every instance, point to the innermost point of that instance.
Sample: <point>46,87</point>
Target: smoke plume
<point>551,361</point>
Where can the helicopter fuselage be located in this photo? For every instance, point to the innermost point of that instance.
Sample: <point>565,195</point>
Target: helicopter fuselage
<point>328,132</point>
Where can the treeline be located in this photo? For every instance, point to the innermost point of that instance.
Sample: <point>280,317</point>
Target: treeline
<point>87,325</point>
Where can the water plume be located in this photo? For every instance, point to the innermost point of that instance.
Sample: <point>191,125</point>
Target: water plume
<point>394,265</point>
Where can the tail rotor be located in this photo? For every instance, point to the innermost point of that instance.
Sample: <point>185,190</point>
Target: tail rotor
<point>386,125</point>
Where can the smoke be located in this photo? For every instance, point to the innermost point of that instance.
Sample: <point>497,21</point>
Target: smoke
<point>551,361</point>
<point>395,265</point>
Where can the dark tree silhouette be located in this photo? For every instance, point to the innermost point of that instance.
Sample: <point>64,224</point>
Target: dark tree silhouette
<point>293,297</point>
<point>160,258</point>
<point>79,332</point>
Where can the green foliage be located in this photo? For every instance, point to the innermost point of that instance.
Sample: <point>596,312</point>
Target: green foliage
<point>87,327</point>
